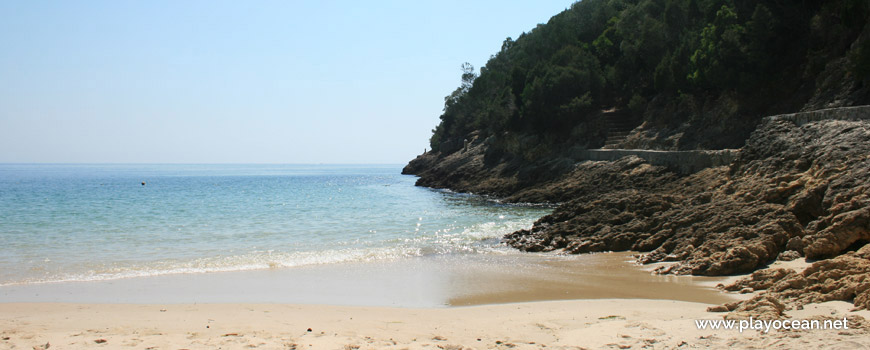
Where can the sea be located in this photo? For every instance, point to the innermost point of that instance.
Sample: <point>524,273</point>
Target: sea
<point>101,222</point>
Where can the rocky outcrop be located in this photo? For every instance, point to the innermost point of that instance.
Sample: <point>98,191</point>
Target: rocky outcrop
<point>841,113</point>
<point>686,221</point>
<point>471,170</point>
<point>798,188</point>
<point>683,162</point>
<point>801,189</point>
<point>846,278</point>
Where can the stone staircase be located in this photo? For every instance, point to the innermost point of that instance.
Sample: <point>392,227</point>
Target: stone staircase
<point>619,125</point>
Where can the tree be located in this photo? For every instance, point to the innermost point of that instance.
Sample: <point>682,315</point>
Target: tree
<point>468,76</point>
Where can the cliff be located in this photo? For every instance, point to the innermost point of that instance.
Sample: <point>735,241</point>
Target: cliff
<point>651,75</point>
<point>661,145</point>
<point>791,188</point>
<point>798,188</point>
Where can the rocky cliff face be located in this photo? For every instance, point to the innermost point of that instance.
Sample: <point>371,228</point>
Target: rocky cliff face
<point>801,189</point>
<point>471,169</point>
<point>792,191</point>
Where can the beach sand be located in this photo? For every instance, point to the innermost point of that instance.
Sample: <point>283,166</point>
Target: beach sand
<point>432,281</point>
<point>602,323</point>
<point>616,305</point>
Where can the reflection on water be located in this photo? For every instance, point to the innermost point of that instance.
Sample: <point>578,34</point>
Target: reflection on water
<point>359,235</point>
<point>97,222</point>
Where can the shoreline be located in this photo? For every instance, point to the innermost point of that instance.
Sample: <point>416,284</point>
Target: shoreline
<point>433,281</point>
<point>778,200</point>
<point>575,324</point>
<point>512,319</point>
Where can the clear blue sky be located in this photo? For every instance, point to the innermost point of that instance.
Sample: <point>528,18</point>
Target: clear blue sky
<point>239,81</point>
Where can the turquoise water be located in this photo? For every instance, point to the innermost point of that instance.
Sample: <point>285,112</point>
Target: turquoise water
<point>97,222</point>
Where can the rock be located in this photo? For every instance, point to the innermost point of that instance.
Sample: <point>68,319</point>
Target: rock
<point>451,347</point>
<point>718,308</point>
<point>846,278</point>
<point>788,255</point>
<point>763,307</point>
<point>793,191</point>
<point>761,279</point>
<point>844,230</point>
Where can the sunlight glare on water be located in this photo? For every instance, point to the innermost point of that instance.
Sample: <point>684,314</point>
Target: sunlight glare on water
<point>98,222</point>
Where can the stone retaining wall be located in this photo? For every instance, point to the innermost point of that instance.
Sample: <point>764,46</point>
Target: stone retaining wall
<point>842,113</point>
<point>685,162</point>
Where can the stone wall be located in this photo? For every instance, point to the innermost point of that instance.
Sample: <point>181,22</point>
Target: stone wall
<point>685,162</point>
<point>842,113</point>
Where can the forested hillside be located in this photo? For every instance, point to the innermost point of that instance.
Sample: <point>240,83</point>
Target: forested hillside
<point>680,75</point>
<point>694,74</point>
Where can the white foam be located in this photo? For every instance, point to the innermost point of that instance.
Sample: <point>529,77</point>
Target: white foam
<point>252,261</point>
<point>475,239</point>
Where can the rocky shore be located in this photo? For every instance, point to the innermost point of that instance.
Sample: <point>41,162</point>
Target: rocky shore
<point>793,191</point>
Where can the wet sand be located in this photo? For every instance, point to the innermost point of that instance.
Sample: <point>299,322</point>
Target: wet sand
<point>437,281</point>
<point>591,276</point>
<point>349,307</point>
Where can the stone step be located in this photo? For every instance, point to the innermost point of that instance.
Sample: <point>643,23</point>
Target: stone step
<point>619,126</point>
<point>622,125</point>
<point>621,121</point>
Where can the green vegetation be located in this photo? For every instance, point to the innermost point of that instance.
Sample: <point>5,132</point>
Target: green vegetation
<point>707,68</point>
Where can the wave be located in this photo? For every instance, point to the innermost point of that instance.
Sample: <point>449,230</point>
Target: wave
<point>482,238</point>
<point>246,262</point>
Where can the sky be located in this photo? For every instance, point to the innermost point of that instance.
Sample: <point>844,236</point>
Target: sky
<point>239,81</point>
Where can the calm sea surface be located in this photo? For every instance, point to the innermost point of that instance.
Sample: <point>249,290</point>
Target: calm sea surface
<point>97,222</point>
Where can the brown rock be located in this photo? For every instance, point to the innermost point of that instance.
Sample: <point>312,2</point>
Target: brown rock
<point>793,191</point>
<point>718,308</point>
<point>788,255</point>
<point>799,190</point>
<point>846,277</point>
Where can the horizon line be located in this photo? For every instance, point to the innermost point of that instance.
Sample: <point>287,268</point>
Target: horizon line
<point>180,163</point>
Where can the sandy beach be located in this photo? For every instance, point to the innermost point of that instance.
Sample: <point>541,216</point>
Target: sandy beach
<point>418,282</point>
<point>645,174</point>
<point>603,323</point>
<point>642,319</point>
